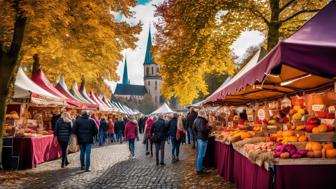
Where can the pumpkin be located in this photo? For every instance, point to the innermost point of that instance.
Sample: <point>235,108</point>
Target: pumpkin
<point>328,146</point>
<point>308,146</point>
<point>288,133</point>
<point>317,153</point>
<point>302,138</point>
<point>284,155</point>
<point>315,130</point>
<point>310,154</point>
<point>322,128</point>
<point>316,146</point>
<point>331,153</point>
<point>279,134</point>
<point>292,139</point>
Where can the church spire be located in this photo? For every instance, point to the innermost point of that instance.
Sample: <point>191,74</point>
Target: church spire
<point>148,55</point>
<point>125,80</point>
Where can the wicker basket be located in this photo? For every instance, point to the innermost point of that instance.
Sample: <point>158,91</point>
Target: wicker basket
<point>321,137</point>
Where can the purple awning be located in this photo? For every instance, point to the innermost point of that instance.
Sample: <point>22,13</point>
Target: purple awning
<point>312,49</point>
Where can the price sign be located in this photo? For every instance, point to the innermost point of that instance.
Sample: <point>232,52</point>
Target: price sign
<point>261,114</point>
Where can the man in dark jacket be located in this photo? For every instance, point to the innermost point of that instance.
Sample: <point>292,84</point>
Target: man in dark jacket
<point>160,132</point>
<point>119,127</point>
<point>103,127</point>
<point>172,126</point>
<point>141,122</point>
<point>190,121</point>
<point>201,131</point>
<point>85,129</point>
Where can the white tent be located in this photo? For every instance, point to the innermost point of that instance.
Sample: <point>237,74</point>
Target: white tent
<point>164,109</point>
<point>26,90</point>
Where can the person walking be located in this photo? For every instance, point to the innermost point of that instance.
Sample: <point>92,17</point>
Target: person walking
<point>119,128</point>
<point>95,119</point>
<point>62,133</point>
<point>130,134</point>
<point>172,125</point>
<point>103,127</point>
<point>85,129</point>
<point>160,132</point>
<point>110,131</point>
<point>141,122</point>
<point>190,121</point>
<point>148,131</point>
<point>201,130</point>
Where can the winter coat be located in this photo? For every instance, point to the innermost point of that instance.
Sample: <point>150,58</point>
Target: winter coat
<point>141,122</point>
<point>172,125</point>
<point>191,118</point>
<point>62,130</point>
<point>131,130</point>
<point>85,128</point>
<point>110,127</point>
<point>149,126</point>
<point>160,130</point>
<point>119,126</point>
<point>103,126</point>
<point>54,120</point>
<point>200,128</point>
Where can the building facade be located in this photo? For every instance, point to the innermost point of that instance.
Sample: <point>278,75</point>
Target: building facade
<point>152,80</point>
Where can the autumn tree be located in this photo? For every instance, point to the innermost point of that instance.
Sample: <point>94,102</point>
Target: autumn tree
<point>194,37</point>
<point>64,37</point>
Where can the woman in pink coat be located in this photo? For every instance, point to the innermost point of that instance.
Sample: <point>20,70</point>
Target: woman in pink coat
<point>149,134</point>
<point>130,134</point>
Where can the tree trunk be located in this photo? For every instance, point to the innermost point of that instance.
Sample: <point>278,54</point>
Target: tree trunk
<point>273,36</point>
<point>36,64</point>
<point>274,25</point>
<point>9,63</point>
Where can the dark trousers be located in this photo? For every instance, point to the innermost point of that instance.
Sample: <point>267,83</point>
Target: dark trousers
<point>149,144</point>
<point>64,147</point>
<point>159,146</point>
<point>175,147</point>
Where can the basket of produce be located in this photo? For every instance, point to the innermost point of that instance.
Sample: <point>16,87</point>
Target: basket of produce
<point>322,137</point>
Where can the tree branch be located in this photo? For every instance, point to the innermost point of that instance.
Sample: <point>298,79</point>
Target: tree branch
<point>19,28</point>
<point>286,5</point>
<point>258,14</point>
<point>298,13</point>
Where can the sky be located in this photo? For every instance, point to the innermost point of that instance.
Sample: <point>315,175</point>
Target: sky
<point>144,12</point>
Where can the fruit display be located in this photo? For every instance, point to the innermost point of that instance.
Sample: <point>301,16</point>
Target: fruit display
<point>8,130</point>
<point>12,115</point>
<point>297,113</point>
<point>325,115</point>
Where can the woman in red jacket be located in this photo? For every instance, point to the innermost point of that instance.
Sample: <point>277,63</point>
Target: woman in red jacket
<point>148,128</point>
<point>130,134</point>
<point>110,130</point>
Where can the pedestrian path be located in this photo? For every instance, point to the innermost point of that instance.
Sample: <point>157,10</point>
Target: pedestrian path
<point>111,168</point>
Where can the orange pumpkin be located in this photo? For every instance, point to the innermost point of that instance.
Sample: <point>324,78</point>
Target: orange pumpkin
<point>284,155</point>
<point>328,146</point>
<point>302,138</point>
<point>315,130</point>
<point>316,146</point>
<point>331,153</point>
<point>308,146</point>
<point>279,134</point>
<point>317,153</point>
<point>288,133</point>
<point>322,128</point>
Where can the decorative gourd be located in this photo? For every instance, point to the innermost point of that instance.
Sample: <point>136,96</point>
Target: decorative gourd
<point>322,128</point>
<point>328,146</point>
<point>315,130</point>
<point>284,155</point>
<point>302,138</point>
<point>317,153</point>
<point>331,153</point>
<point>288,133</point>
<point>316,146</point>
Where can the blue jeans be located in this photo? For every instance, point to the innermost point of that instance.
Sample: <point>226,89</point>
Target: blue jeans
<point>85,149</point>
<point>131,146</point>
<point>119,137</point>
<point>102,137</point>
<point>112,137</point>
<point>175,147</point>
<point>201,149</point>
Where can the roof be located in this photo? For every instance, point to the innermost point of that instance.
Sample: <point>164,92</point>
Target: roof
<point>125,80</point>
<point>148,56</point>
<point>164,109</point>
<point>136,90</point>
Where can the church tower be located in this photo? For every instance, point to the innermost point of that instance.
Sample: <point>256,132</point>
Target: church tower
<point>152,78</point>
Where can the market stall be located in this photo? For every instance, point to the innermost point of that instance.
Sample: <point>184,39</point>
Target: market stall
<point>284,132</point>
<point>163,109</point>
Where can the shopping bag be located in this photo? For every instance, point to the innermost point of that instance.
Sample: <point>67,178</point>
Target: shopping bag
<point>73,146</point>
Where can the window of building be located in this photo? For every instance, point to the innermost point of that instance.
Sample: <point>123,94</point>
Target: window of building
<point>152,70</point>
<point>148,83</point>
<point>147,71</point>
<point>158,70</point>
<point>155,85</point>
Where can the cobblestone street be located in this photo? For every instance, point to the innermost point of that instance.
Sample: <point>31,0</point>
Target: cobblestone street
<point>111,168</point>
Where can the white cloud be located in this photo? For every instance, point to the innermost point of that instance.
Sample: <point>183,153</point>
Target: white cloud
<point>246,40</point>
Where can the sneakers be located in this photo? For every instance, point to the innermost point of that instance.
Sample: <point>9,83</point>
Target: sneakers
<point>162,163</point>
<point>87,170</point>
<point>82,167</point>
<point>177,159</point>
<point>133,157</point>
<point>173,159</point>
<point>147,153</point>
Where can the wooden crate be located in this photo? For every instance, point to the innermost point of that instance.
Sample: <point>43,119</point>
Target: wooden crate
<point>321,137</point>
